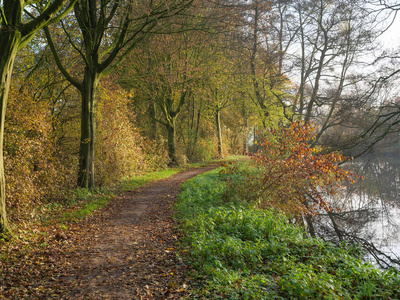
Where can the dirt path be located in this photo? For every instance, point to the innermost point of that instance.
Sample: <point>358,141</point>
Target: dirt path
<point>126,251</point>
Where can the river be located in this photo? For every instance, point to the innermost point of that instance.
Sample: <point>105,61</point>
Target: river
<point>369,210</point>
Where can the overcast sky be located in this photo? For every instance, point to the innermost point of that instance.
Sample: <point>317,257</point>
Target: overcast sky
<point>391,38</point>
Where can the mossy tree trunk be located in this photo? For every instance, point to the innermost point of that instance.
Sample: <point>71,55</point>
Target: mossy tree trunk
<point>170,111</point>
<point>93,26</point>
<point>153,117</point>
<point>221,102</point>
<point>8,50</point>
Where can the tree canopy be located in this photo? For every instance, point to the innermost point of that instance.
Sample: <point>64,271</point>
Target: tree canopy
<point>111,88</point>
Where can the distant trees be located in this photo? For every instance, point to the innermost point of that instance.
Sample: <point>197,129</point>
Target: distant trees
<point>306,59</point>
<point>380,120</point>
<point>166,73</point>
<point>169,71</point>
<point>261,65</point>
<point>292,60</point>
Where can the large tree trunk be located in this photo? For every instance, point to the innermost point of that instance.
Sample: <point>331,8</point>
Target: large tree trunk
<point>171,142</point>
<point>86,174</point>
<point>8,51</point>
<point>154,130</point>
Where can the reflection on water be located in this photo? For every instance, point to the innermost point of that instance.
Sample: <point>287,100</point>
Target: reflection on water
<point>369,210</point>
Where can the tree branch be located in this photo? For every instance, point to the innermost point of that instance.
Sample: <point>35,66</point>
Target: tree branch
<point>47,17</point>
<point>63,70</point>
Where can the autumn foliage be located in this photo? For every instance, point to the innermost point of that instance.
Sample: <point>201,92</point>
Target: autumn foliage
<point>121,150</point>
<point>41,146</point>
<point>33,162</point>
<point>296,177</point>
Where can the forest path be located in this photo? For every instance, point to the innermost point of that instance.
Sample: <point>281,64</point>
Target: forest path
<point>127,251</point>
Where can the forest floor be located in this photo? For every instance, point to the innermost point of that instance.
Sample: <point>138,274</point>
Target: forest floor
<point>127,250</point>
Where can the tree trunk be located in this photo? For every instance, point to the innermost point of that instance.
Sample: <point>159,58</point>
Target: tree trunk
<point>310,225</point>
<point>8,51</point>
<point>11,39</point>
<point>335,226</point>
<point>245,126</point>
<point>86,174</point>
<point>260,100</point>
<point>154,131</point>
<point>321,65</point>
<point>196,134</point>
<point>171,142</point>
<point>219,131</point>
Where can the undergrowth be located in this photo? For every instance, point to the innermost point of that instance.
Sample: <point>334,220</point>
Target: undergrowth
<point>240,252</point>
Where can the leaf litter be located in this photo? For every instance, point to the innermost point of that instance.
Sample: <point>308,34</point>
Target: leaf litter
<point>127,250</point>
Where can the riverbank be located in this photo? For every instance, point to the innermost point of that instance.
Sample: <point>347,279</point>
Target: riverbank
<point>239,252</point>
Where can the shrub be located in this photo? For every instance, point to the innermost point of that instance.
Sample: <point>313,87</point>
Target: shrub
<point>155,156</point>
<point>32,161</point>
<point>121,150</point>
<point>205,150</point>
<point>295,177</point>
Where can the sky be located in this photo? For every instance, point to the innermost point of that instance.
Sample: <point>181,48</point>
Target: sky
<point>391,38</point>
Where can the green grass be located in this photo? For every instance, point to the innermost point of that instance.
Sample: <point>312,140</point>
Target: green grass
<point>134,182</point>
<point>86,202</point>
<point>240,252</point>
<point>79,204</point>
